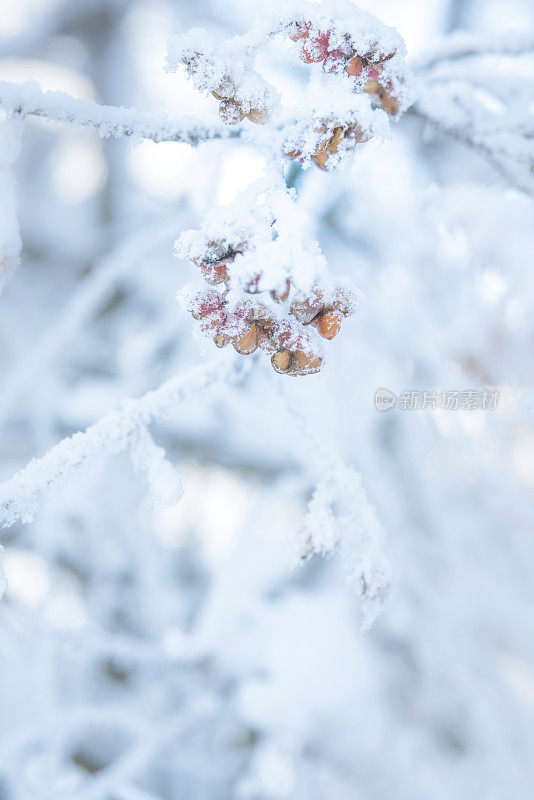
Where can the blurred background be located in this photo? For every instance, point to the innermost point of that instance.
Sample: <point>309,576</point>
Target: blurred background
<point>182,655</point>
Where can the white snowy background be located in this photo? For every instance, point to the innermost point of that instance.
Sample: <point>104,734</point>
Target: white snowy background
<point>160,637</point>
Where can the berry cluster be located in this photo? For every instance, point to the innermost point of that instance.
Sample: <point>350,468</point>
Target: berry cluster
<point>337,53</point>
<point>232,110</point>
<point>245,301</point>
<point>360,57</point>
<point>228,72</point>
<point>331,139</point>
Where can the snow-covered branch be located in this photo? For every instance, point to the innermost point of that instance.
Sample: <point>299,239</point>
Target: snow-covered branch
<point>466,45</point>
<point>503,138</point>
<point>10,243</point>
<point>21,496</point>
<point>28,99</point>
<point>487,110</point>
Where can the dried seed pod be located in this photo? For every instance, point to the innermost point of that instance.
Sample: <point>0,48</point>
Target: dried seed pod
<point>371,85</point>
<point>354,67</point>
<point>293,154</point>
<point>305,363</point>
<point>257,116</point>
<point>386,100</point>
<point>380,58</point>
<point>388,103</point>
<point>328,323</point>
<point>296,362</point>
<point>335,140</point>
<point>253,285</point>
<point>262,316</point>
<point>225,89</point>
<point>247,343</point>
<point>231,111</point>
<point>330,146</point>
<point>306,310</point>
<point>265,338</point>
<point>281,297</point>
<point>221,340</point>
<point>281,361</point>
<point>320,158</point>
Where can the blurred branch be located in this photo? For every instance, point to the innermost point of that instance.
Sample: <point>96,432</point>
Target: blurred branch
<point>56,19</point>
<point>506,143</point>
<point>21,496</point>
<point>454,15</point>
<point>28,99</point>
<point>466,45</point>
<point>491,116</point>
<point>86,301</point>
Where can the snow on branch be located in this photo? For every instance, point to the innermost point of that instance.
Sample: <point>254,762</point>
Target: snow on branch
<point>465,45</point>
<point>10,243</point>
<point>3,582</point>
<point>503,137</point>
<point>489,110</point>
<point>21,495</point>
<point>341,519</point>
<point>164,482</point>
<point>28,99</point>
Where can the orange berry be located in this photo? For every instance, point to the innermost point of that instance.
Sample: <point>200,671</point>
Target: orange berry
<point>328,324</point>
<point>246,344</point>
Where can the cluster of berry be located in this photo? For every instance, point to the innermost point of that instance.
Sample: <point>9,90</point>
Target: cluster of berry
<point>227,71</point>
<point>329,138</point>
<point>337,54</point>
<point>291,337</point>
<point>362,56</point>
<point>232,110</point>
